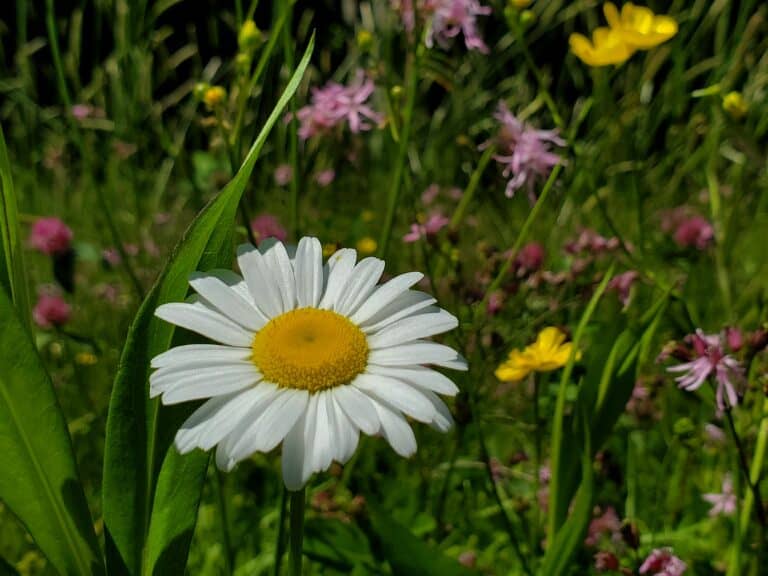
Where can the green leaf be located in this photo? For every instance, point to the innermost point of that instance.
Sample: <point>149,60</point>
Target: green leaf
<point>406,554</point>
<point>571,534</point>
<point>144,486</point>
<point>12,276</point>
<point>38,478</point>
<point>334,543</point>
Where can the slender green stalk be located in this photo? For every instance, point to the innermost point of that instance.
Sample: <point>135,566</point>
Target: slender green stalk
<point>474,182</point>
<point>297,531</point>
<point>758,460</point>
<point>402,154</point>
<point>293,138</point>
<point>717,221</point>
<point>61,82</point>
<point>555,510</point>
<point>504,270</point>
<point>221,502</point>
<point>745,469</point>
<point>280,542</point>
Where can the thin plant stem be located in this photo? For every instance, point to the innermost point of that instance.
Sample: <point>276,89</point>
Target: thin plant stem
<point>280,542</point>
<point>717,220</point>
<point>402,154</point>
<point>221,502</point>
<point>297,531</point>
<point>61,82</point>
<point>474,182</point>
<point>443,494</point>
<point>759,511</point>
<point>758,459</point>
<point>521,237</point>
<point>293,137</point>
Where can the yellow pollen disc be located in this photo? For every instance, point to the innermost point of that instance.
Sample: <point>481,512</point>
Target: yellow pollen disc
<point>310,349</point>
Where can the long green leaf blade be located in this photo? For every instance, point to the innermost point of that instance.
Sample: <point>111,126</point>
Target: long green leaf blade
<point>139,431</point>
<point>38,478</point>
<point>12,276</point>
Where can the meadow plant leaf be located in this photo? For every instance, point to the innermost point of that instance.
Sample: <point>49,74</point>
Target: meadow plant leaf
<point>12,276</point>
<point>39,480</point>
<point>150,494</point>
<point>406,554</point>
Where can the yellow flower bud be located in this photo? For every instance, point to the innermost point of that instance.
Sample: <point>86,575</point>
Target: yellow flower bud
<point>85,359</point>
<point>735,105</point>
<point>364,40</point>
<point>243,63</point>
<point>214,96</point>
<point>368,215</point>
<point>249,37</point>
<point>199,90</point>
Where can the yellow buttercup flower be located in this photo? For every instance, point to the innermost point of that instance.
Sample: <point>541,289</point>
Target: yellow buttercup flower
<point>607,47</point>
<point>214,96</point>
<point>549,352</point>
<point>639,27</point>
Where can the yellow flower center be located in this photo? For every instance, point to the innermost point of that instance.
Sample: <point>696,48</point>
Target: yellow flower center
<point>310,349</point>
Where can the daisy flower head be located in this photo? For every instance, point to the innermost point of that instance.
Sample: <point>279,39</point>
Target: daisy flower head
<point>307,355</point>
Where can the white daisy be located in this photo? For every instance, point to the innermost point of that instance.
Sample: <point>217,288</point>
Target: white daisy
<point>308,355</point>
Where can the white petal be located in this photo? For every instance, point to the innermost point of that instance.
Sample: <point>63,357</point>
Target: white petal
<point>269,429</point>
<point>346,432</point>
<point>199,318</point>
<point>310,438</point>
<point>406,304</point>
<point>293,455</point>
<point>210,423</point>
<point>397,394</point>
<point>309,272</point>
<point>282,271</point>
<point>204,383</point>
<point>168,376</point>
<point>415,353</point>
<point>210,352</point>
<point>459,363</point>
<point>424,378</point>
<point>413,328</point>
<point>385,294</point>
<point>223,461</point>
<point>260,280</point>
<point>360,285</point>
<point>269,394</point>
<point>443,421</point>
<point>339,267</point>
<point>323,450</point>
<point>358,408</point>
<point>227,300</point>
<point>396,430</point>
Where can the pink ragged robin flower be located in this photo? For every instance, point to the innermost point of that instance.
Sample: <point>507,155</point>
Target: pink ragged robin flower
<point>430,228</point>
<point>335,104</point>
<point>622,285</point>
<point>524,152</point>
<point>694,232</point>
<point>51,310</point>
<point>662,562</point>
<point>283,174</point>
<point>723,503</point>
<point>50,236</point>
<point>454,17</point>
<point>710,359</point>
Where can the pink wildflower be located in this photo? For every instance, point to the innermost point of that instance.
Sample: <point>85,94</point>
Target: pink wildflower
<point>608,523</point>
<point>268,226</point>
<point>591,242</point>
<point>710,360</point>
<point>51,310</point>
<point>605,561</point>
<point>524,152</point>
<point>283,174</point>
<point>429,194</point>
<point>530,258</point>
<point>662,562</point>
<point>111,256</point>
<point>50,236</point>
<point>325,177</point>
<point>723,503</point>
<point>335,104</point>
<point>452,17</point>
<point>495,302</point>
<point>468,558</point>
<point>430,228</point>
<point>622,285</point>
<point>735,338</point>
<point>694,232</point>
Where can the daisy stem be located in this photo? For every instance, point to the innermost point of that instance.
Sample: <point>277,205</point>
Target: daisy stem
<point>280,543</point>
<point>297,531</point>
<point>221,500</point>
